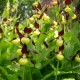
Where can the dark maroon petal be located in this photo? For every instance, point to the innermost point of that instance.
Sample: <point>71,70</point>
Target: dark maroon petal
<point>67,16</point>
<point>41,16</point>
<point>34,7</point>
<point>36,25</point>
<point>45,44</point>
<point>61,48</point>
<point>44,12</point>
<point>39,6</point>
<point>58,2</point>
<point>25,50</point>
<point>67,2</point>
<point>1,30</point>
<point>20,34</point>
<point>46,9</point>
<point>61,33</point>
<point>27,30</point>
<point>17,24</point>
<point>4,19</point>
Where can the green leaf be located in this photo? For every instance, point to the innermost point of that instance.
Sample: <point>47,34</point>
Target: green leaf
<point>14,67</point>
<point>12,77</point>
<point>37,73</point>
<point>68,51</point>
<point>45,27</point>
<point>41,39</point>
<point>38,65</point>
<point>52,46</point>
<point>67,36</point>
<point>5,13</point>
<point>57,11</point>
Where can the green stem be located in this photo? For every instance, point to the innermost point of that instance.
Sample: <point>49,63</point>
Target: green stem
<point>30,72</point>
<point>23,72</point>
<point>0,56</point>
<point>48,75</point>
<point>48,62</point>
<point>57,70</point>
<point>64,28</point>
<point>52,66</point>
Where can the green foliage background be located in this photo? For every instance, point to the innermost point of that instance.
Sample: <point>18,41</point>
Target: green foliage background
<point>45,68</point>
